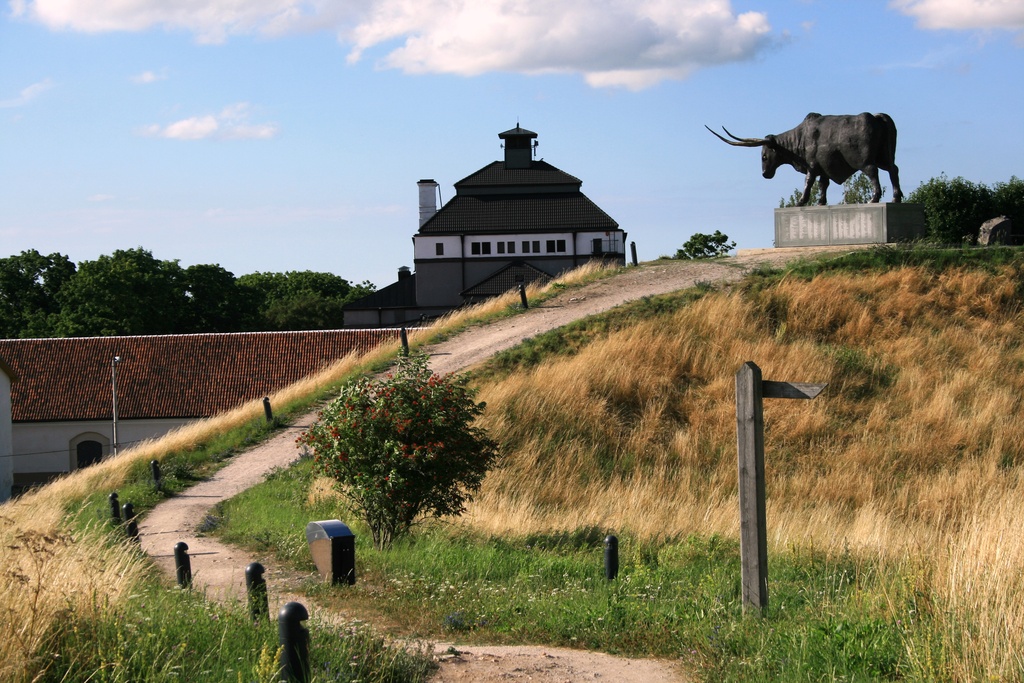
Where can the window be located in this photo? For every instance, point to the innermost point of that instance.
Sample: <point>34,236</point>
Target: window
<point>511,247</point>
<point>501,247</point>
<point>486,247</point>
<point>526,247</point>
<point>439,248</point>
<point>536,246</point>
<point>560,246</point>
<point>474,248</point>
<point>550,246</point>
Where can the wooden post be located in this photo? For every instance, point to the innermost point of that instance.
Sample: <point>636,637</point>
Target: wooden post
<point>751,391</point>
<point>753,527</point>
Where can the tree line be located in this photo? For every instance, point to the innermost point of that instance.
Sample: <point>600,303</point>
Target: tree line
<point>132,293</point>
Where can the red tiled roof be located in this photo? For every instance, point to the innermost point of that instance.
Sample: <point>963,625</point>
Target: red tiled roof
<point>167,376</point>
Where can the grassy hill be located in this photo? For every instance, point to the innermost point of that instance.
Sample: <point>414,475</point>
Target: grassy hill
<point>904,478</point>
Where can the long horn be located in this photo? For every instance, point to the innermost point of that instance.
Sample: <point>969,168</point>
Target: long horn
<point>741,142</point>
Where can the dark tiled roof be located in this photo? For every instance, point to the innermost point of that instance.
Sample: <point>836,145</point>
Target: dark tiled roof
<point>563,212</point>
<point>169,376</point>
<point>518,130</point>
<point>509,277</point>
<point>495,174</point>
<point>401,294</point>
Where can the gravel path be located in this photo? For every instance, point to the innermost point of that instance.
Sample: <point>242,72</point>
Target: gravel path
<point>218,569</point>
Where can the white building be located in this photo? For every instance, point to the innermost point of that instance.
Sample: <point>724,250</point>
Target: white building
<point>511,222</point>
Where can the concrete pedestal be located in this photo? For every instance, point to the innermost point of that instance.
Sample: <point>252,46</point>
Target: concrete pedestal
<point>841,224</point>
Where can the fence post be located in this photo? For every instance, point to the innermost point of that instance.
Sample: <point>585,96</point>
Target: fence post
<point>256,589</point>
<point>294,641</point>
<point>522,296</point>
<point>182,564</point>
<point>115,507</point>
<point>404,336</point>
<point>131,526</point>
<point>154,468</point>
<point>266,409</point>
<point>632,249</point>
<point>611,557</point>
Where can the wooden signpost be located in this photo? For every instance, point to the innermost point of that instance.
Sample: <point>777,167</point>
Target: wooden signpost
<point>750,392</point>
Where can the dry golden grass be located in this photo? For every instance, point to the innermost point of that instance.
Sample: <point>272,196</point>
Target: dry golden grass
<point>915,451</point>
<point>45,571</point>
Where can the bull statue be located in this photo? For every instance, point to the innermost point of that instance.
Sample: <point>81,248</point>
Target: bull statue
<point>831,148</point>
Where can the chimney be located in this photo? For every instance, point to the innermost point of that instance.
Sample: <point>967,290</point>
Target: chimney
<point>404,272</point>
<point>428,200</point>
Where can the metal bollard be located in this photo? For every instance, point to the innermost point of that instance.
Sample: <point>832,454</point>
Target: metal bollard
<point>182,564</point>
<point>266,409</point>
<point>294,641</point>
<point>632,249</point>
<point>256,589</point>
<point>154,467</point>
<point>611,557</point>
<point>405,341</point>
<point>115,507</point>
<point>131,527</point>
<point>522,296</point>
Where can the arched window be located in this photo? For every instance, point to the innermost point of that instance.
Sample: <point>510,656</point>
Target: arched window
<point>88,453</point>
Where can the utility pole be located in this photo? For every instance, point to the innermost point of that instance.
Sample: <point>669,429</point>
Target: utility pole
<point>113,383</point>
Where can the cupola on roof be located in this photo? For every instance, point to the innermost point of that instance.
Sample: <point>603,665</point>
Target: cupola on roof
<point>518,146</point>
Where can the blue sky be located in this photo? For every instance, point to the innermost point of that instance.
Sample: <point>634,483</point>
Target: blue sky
<point>276,135</point>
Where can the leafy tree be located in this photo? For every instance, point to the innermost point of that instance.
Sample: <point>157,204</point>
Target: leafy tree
<point>128,292</point>
<point>29,285</point>
<point>403,447</point>
<point>857,189</point>
<point>701,246</point>
<point>302,300</point>
<point>954,209</point>
<point>216,302</point>
<point>1008,200</point>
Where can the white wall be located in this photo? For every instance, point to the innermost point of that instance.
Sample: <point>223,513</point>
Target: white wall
<point>425,247</point>
<point>49,447</point>
<point>6,442</point>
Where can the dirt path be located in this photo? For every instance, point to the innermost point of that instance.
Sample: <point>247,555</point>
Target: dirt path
<point>218,569</point>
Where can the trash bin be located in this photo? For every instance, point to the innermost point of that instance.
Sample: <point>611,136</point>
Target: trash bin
<point>333,547</point>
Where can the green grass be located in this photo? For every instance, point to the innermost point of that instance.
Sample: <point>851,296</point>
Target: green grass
<point>162,635</point>
<point>831,618</point>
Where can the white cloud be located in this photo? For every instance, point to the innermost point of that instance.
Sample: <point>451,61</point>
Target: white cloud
<point>147,77</point>
<point>100,198</point>
<point>630,43</point>
<point>27,94</point>
<point>232,123</point>
<point>964,14</point>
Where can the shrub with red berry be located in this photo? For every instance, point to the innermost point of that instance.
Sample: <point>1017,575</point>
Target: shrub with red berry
<point>403,447</point>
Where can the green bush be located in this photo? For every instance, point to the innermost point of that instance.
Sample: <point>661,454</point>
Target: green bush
<point>402,447</point>
<point>954,209</point>
<point>706,246</point>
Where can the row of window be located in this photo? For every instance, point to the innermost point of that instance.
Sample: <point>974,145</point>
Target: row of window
<point>528,247</point>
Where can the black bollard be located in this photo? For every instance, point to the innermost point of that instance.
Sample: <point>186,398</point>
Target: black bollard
<point>182,564</point>
<point>256,589</point>
<point>522,296</point>
<point>266,409</point>
<point>632,249</point>
<point>294,641</point>
<point>115,507</point>
<point>611,557</point>
<point>405,341</point>
<point>131,527</point>
<point>154,467</point>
